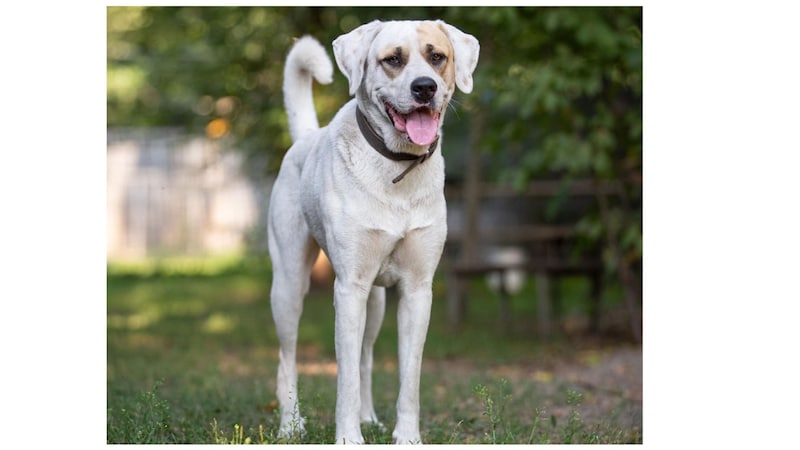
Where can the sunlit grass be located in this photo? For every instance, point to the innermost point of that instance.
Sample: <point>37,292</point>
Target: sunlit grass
<point>177,265</point>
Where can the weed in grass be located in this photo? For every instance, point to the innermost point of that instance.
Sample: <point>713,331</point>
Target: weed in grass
<point>505,428</point>
<point>493,410</point>
<point>146,421</point>
<point>574,421</point>
<point>455,433</point>
<point>540,412</point>
<point>575,431</point>
<point>237,437</point>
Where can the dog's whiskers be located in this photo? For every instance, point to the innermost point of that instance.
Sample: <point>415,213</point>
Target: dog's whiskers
<point>452,106</point>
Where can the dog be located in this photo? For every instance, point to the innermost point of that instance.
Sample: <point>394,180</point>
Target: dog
<point>367,189</point>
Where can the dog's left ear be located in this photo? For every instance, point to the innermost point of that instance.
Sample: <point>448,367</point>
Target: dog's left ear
<point>466,49</point>
<point>350,51</point>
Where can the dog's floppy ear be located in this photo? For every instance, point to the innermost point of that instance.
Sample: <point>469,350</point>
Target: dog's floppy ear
<point>351,50</point>
<point>466,49</point>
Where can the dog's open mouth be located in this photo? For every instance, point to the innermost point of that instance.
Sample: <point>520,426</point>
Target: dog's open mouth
<point>421,125</point>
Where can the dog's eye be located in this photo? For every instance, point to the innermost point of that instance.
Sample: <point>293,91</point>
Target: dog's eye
<point>437,58</point>
<point>393,61</point>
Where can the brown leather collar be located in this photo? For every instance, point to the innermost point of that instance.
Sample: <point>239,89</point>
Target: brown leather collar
<point>376,142</point>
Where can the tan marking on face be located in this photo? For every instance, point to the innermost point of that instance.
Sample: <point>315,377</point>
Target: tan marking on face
<point>433,38</point>
<point>401,55</point>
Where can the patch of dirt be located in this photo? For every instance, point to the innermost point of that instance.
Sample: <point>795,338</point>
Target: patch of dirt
<point>609,379</point>
<point>611,383</point>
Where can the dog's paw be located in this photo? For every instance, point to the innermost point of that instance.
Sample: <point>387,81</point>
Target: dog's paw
<point>401,438</point>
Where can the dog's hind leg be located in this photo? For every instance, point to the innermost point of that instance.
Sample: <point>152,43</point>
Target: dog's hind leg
<point>376,306</point>
<point>292,258</point>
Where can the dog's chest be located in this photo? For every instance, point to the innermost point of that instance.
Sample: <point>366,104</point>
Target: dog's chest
<point>400,216</point>
<point>409,257</point>
<point>400,238</point>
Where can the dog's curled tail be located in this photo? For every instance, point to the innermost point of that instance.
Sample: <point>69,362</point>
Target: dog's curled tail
<point>306,59</point>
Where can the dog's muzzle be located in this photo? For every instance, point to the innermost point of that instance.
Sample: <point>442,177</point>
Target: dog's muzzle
<point>420,125</point>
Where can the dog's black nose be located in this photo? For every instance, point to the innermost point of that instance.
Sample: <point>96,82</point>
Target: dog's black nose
<point>423,89</point>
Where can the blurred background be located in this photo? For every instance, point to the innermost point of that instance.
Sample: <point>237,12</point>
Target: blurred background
<point>543,169</point>
<point>544,158</point>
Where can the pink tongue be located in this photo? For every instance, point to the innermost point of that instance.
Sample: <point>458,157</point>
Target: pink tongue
<point>422,127</point>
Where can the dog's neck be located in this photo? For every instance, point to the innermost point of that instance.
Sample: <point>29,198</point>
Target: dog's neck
<point>376,141</point>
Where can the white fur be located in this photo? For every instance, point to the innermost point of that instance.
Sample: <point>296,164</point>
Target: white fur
<point>306,59</point>
<point>334,192</point>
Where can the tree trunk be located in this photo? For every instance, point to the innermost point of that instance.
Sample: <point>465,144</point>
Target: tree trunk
<point>457,289</point>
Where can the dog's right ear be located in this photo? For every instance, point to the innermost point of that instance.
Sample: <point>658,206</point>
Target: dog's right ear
<point>351,50</point>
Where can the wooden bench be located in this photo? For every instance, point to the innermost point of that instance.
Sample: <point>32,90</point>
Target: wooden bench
<point>548,249</point>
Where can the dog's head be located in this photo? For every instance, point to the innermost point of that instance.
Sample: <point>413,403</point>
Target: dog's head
<point>404,73</point>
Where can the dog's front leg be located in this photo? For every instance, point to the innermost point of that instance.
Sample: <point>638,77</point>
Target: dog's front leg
<point>413,316</point>
<point>350,302</point>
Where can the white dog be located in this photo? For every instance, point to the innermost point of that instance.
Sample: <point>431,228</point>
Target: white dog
<point>369,190</point>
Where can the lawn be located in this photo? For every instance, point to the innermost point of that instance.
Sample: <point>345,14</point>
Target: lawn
<point>192,355</point>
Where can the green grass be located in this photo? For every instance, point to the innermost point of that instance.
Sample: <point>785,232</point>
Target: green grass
<point>192,356</point>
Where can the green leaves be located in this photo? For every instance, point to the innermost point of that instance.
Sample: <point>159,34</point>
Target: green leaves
<point>560,87</point>
<point>566,101</point>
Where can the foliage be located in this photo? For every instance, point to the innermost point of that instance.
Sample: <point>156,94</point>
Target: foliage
<point>567,103</point>
<point>570,89</point>
<point>558,92</point>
